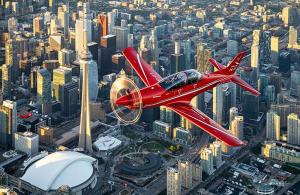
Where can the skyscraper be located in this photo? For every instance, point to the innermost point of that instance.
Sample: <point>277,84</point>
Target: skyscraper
<point>93,78</point>
<point>85,136</point>
<point>6,80</point>
<point>207,160</point>
<point>256,34</point>
<point>173,181</point>
<point>250,111</point>
<point>295,80</point>
<point>69,99</point>
<point>103,25</point>
<point>263,82</point>
<point>121,37</point>
<point>255,57</point>
<point>12,24</point>
<point>167,115</point>
<point>284,110</point>
<point>197,172</point>
<point>83,23</point>
<point>273,126</point>
<point>187,53</point>
<point>237,127</point>
<point>52,6</point>
<point>8,123</point>
<point>61,76</point>
<point>275,79</point>
<point>44,90</point>
<point>177,60</point>
<point>1,98</point>
<point>38,25</point>
<point>293,34</point>
<point>66,57</point>
<point>216,149</point>
<point>186,173</point>
<point>185,123</point>
<point>217,104</point>
<point>275,50</point>
<point>233,112</point>
<point>11,58</point>
<point>202,56</point>
<point>63,17</point>
<point>290,16</point>
<point>293,129</point>
<point>107,49</point>
<point>111,21</point>
<point>222,102</point>
<point>153,46</point>
<point>270,91</point>
<point>232,47</point>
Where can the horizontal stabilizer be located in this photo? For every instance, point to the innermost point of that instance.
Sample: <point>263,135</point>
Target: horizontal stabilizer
<point>236,79</point>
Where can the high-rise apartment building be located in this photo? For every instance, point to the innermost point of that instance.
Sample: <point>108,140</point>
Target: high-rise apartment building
<point>63,18</point>
<point>293,38</point>
<point>202,55</point>
<point>273,126</point>
<point>275,50</point>
<point>173,181</point>
<point>8,123</point>
<point>207,160</point>
<point>121,37</point>
<point>216,148</point>
<point>102,21</point>
<point>186,173</point>
<point>38,25</point>
<point>237,127</point>
<point>295,80</point>
<point>255,57</point>
<point>6,80</point>
<point>69,99</point>
<point>61,76</point>
<point>11,58</point>
<point>290,16</point>
<point>44,90</point>
<point>293,129</point>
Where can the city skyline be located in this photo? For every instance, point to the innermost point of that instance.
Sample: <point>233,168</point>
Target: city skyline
<point>59,133</point>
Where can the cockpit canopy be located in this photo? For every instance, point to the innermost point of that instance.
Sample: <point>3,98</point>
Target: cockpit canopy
<point>180,79</point>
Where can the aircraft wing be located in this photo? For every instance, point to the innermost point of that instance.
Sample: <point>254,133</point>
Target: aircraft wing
<point>148,75</point>
<point>205,123</point>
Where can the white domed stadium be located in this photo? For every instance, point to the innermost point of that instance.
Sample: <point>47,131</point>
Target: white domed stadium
<point>65,168</point>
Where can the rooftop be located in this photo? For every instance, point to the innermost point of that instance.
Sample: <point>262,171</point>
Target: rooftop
<point>107,143</point>
<point>61,168</point>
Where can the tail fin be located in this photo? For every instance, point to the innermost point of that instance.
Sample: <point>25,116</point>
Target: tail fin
<point>230,70</point>
<point>234,64</point>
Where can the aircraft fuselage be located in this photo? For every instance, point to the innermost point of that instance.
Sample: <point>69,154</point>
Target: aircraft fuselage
<point>156,95</point>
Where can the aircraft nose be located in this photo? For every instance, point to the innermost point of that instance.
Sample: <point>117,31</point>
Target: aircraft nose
<point>124,100</point>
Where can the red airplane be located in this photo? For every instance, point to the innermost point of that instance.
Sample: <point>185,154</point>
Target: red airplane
<point>177,90</point>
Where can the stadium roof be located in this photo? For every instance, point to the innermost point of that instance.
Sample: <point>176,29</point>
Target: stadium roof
<point>60,168</point>
<point>107,143</point>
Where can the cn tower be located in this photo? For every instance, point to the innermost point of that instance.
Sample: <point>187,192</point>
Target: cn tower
<point>85,138</point>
